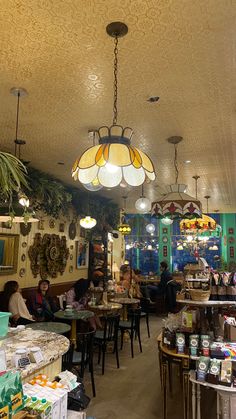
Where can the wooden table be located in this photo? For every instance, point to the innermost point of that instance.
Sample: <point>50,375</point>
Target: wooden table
<point>226,398</point>
<point>125,303</point>
<point>55,327</point>
<point>73,317</point>
<point>167,357</point>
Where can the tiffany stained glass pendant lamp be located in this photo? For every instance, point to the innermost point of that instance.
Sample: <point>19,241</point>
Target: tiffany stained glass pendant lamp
<point>114,160</point>
<point>176,203</point>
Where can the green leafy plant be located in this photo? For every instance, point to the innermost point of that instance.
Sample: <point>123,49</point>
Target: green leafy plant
<point>13,175</point>
<point>48,194</point>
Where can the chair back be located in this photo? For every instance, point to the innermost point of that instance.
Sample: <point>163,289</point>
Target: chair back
<point>134,315</point>
<point>67,358</point>
<point>111,327</point>
<point>145,304</point>
<point>85,347</point>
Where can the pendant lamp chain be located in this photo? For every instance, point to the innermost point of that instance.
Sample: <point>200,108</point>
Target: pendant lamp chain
<point>196,177</point>
<point>115,111</point>
<point>17,122</point>
<point>176,165</point>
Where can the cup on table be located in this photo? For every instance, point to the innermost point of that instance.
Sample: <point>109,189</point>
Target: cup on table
<point>68,309</point>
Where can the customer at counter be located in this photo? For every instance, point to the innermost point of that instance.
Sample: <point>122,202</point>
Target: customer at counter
<point>40,304</point>
<point>160,289</point>
<point>13,302</point>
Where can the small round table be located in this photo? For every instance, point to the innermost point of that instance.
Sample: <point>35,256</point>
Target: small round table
<point>125,303</point>
<point>59,328</point>
<point>105,308</point>
<point>75,315</point>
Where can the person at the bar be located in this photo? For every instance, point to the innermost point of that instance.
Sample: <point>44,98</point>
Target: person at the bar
<point>156,290</point>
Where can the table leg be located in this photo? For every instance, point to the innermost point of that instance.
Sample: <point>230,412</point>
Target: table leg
<point>170,376</point>
<point>186,393</point>
<point>193,400</point>
<point>160,363</point>
<point>73,333</point>
<point>218,405</point>
<point>198,401</point>
<point>125,313</point>
<point>164,388</point>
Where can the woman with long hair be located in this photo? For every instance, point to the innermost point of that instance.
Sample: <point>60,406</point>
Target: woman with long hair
<point>40,304</point>
<point>15,303</point>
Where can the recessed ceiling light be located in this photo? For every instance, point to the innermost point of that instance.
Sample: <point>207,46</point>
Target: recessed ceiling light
<point>187,161</point>
<point>61,163</point>
<point>153,99</point>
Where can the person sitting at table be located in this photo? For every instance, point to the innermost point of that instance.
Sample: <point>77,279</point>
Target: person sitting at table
<point>40,304</point>
<point>156,290</point>
<point>129,282</point>
<point>78,298</point>
<point>13,302</point>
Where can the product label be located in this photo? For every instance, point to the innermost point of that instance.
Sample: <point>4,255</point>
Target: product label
<point>4,412</point>
<point>16,401</point>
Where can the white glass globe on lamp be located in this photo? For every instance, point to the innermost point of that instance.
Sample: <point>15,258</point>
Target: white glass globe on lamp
<point>167,221</point>
<point>88,222</point>
<point>150,228</point>
<point>143,205</point>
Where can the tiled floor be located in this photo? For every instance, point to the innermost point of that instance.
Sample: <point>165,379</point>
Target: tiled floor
<point>133,391</point>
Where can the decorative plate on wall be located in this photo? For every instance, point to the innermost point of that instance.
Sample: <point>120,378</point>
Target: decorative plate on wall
<point>24,244</point>
<point>52,223</point>
<point>71,256</point>
<point>71,269</point>
<point>23,257</point>
<point>61,227</point>
<point>25,228</point>
<point>22,272</point>
<point>165,239</point>
<point>72,231</point>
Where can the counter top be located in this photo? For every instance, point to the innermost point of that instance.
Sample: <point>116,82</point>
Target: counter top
<point>52,345</point>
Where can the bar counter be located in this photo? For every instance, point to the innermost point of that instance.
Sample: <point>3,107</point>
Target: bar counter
<point>52,346</point>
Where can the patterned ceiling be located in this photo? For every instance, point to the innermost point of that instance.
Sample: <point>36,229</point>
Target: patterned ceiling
<point>183,51</point>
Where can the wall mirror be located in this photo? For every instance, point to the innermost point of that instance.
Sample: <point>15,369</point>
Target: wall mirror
<point>9,245</point>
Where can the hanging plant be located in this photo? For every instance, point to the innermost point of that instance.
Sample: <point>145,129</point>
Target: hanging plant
<point>13,175</point>
<point>48,195</point>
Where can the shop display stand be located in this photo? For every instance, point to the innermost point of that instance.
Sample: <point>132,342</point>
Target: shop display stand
<point>209,303</point>
<point>226,398</point>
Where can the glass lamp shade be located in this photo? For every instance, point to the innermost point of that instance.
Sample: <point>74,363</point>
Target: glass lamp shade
<point>167,221</point>
<point>93,186</point>
<point>204,223</point>
<point>180,247</point>
<point>88,222</point>
<point>23,199</point>
<point>124,229</point>
<point>113,161</point>
<point>214,247</point>
<point>143,204</point>
<point>150,228</point>
<point>177,204</point>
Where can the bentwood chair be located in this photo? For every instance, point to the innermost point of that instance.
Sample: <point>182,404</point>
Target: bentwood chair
<point>82,357</point>
<point>132,326</point>
<point>108,335</point>
<point>145,310</point>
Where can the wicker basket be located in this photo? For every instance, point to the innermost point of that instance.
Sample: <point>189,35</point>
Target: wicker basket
<point>180,295</point>
<point>199,295</point>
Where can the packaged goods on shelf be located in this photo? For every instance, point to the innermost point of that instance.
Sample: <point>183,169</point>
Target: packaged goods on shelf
<point>11,393</point>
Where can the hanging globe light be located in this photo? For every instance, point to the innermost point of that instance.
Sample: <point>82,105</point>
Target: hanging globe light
<point>114,160</point>
<point>143,204</point>
<point>88,222</point>
<point>150,228</point>
<point>166,221</point>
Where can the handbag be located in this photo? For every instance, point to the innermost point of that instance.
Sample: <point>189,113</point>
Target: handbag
<point>77,399</point>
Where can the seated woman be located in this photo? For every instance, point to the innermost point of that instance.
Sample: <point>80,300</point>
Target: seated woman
<point>129,282</point>
<point>40,304</point>
<point>78,298</point>
<point>15,304</point>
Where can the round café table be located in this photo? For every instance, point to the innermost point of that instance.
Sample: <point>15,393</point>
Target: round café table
<point>125,303</point>
<point>102,309</point>
<point>73,316</point>
<point>55,327</point>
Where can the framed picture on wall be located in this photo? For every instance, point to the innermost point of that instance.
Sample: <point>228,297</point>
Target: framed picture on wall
<point>164,230</point>
<point>82,254</point>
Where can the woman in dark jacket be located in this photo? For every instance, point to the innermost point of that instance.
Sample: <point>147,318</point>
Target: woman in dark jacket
<point>40,304</point>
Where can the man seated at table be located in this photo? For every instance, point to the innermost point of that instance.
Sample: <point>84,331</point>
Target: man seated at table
<point>40,304</point>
